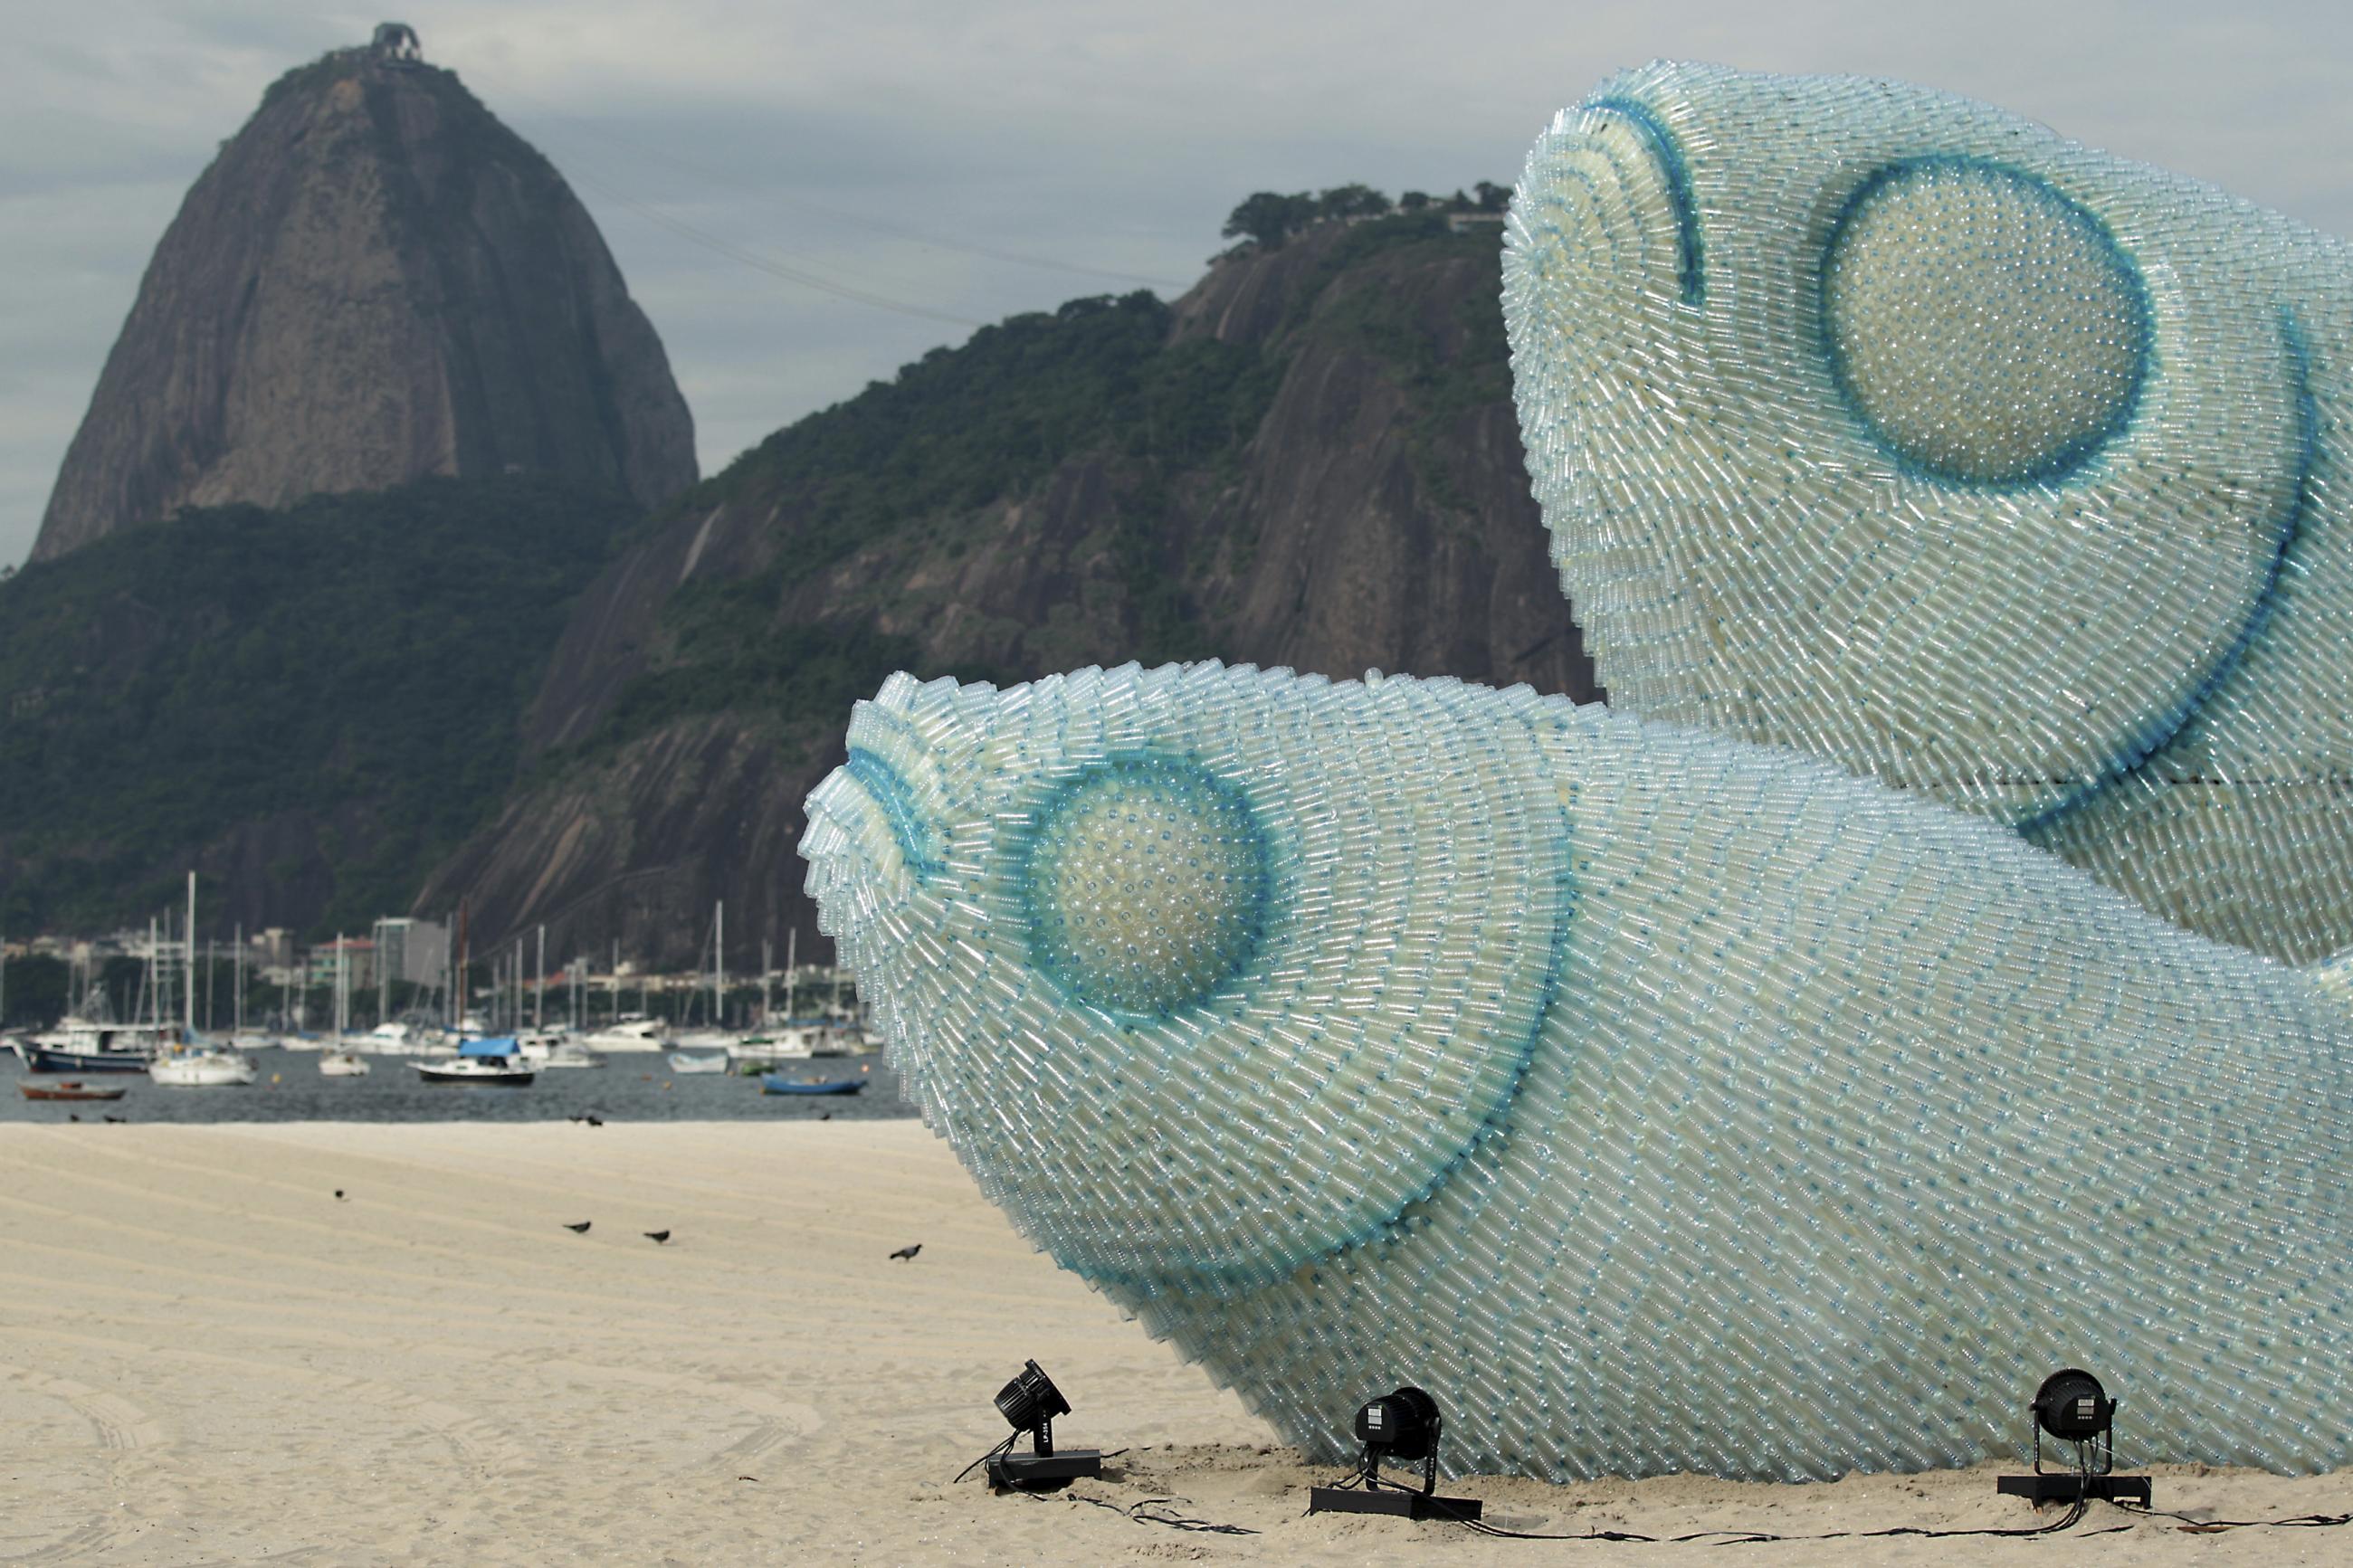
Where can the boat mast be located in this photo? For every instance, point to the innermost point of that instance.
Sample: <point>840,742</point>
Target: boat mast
<point>237,984</point>
<point>384,977</point>
<point>719,965</point>
<point>188,975</point>
<point>792,960</point>
<point>539,992</point>
<point>462,983</point>
<point>767,982</point>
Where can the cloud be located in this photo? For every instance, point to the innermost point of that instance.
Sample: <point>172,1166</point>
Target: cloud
<point>1115,138</point>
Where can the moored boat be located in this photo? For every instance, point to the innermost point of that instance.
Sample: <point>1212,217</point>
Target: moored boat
<point>491,1061</point>
<point>342,1064</point>
<point>398,1039</point>
<point>777,1083</point>
<point>202,1066</point>
<point>688,1062</point>
<point>70,1088</point>
<point>629,1034</point>
<point>80,1045</point>
<point>557,1049</point>
<point>793,1043</point>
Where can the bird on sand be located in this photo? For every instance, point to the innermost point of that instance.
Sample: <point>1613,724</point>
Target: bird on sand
<point>339,1194</point>
<point>656,1236</point>
<point>580,1229</point>
<point>907,1252</point>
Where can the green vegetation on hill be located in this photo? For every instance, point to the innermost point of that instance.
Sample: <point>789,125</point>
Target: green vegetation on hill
<point>341,680</point>
<point>1267,218</point>
<point>956,431</point>
<point>964,428</point>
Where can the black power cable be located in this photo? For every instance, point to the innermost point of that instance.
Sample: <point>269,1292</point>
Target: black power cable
<point>2189,1526</point>
<point>1134,1511</point>
<point>1005,1447</point>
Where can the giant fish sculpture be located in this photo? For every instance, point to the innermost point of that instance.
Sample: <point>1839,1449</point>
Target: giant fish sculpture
<point>1658,1101</point>
<point>1892,427</point>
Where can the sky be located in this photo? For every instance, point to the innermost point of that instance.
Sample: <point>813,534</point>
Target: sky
<point>968,162</point>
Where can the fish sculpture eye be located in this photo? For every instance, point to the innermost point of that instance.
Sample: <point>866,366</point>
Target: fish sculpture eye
<point>1160,902</point>
<point>1882,425</point>
<point>1147,882</point>
<point>1985,328</point>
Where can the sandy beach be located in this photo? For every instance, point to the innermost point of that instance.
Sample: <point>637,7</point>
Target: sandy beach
<point>206,1357</point>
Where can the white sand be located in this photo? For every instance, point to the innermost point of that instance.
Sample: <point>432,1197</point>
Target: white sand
<point>204,1358</point>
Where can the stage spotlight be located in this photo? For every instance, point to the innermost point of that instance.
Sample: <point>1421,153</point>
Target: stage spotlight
<point>1401,1425</point>
<point>2071,1406</point>
<point>1029,1404</point>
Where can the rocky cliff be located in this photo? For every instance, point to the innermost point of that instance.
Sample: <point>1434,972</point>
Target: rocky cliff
<point>1309,460</point>
<point>375,281</point>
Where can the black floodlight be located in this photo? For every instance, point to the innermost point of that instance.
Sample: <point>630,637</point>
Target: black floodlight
<point>1030,1400</point>
<point>1401,1425</point>
<point>2073,1407</point>
<point>1029,1404</point>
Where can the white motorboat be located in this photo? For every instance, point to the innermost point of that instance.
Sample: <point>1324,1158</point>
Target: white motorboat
<point>342,1064</point>
<point>629,1034</point>
<point>793,1043</point>
<point>684,1062</point>
<point>202,1066</point>
<point>557,1048</point>
<point>398,1040</point>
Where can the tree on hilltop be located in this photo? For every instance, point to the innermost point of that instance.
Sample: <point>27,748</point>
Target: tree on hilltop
<point>1351,201</point>
<point>1270,218</point>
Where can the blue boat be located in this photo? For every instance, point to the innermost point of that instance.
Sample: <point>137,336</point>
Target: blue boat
<point>48,1059</point>
<point>78,1045</point>
<point>777,1083</point>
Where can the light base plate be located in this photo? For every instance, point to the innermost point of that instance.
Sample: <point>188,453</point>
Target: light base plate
<point>1403,1505</point>
<point>2059,1487</point>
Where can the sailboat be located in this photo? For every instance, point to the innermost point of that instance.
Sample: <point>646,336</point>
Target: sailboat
<point>342,1061</point>
<point>777,1042</point>
<point>191,1063</point>
<point>238,1036</point>
<point>715,1038</point>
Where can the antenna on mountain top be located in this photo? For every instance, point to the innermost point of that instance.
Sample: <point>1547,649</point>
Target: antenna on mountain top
<point>396,43</point>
